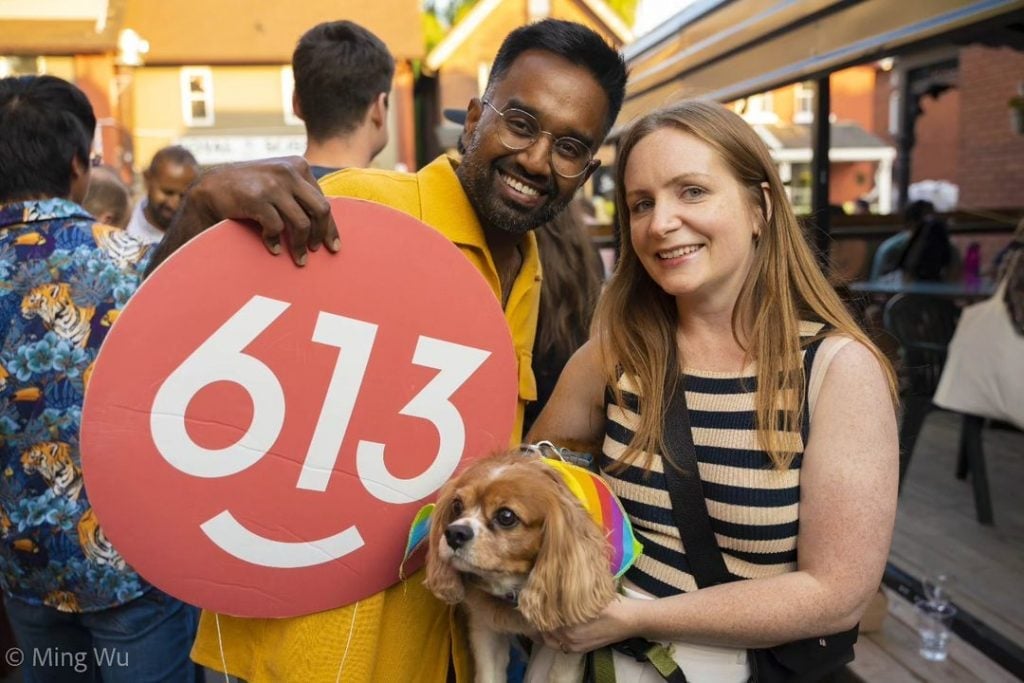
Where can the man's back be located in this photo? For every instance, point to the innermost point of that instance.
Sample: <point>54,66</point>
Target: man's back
<point>65,279</point>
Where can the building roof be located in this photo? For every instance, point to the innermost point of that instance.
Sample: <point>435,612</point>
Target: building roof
<point>842,134</point>
<point>849,142</point>
<point>199,31</point>
<point>82,27</point>
<point>262,31</point>
<point>483,9</point>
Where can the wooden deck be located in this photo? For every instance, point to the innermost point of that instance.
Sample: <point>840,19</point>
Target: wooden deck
<point>936,532</point>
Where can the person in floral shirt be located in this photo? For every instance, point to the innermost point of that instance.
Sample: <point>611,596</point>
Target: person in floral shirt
<point>75,606</point>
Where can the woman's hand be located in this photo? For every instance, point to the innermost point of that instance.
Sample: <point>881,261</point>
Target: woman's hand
<point>618,621</point>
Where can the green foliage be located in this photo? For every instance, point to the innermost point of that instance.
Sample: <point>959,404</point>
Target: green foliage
<point>433,30</point>
<point>448,13</point>
<point>626,9</point>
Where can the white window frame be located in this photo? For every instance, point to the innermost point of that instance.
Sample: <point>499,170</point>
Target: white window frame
<point>188,97</point>
<point>803,94</point>
<point>539,9</point>
<point>287,93</point>
<point>483,72</point>
<point>760,108</point>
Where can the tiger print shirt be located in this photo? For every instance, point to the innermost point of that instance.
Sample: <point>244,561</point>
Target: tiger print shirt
<point>63,279</point>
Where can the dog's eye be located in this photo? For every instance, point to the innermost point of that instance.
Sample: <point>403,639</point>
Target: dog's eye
<point>457,507</point>
<point>506,518</point>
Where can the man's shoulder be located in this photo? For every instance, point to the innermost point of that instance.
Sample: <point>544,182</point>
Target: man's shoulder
<point>385,187</point>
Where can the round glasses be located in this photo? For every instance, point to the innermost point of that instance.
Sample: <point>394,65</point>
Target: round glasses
<point>570,158</point>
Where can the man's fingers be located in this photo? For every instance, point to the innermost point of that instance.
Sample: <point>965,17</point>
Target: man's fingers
<point>298,252</point>
<point>322,229</point>
<point>271,227</point>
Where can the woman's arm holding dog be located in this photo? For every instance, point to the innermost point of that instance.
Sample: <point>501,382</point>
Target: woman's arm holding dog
<point>575,412</point>
<point>847,512</point>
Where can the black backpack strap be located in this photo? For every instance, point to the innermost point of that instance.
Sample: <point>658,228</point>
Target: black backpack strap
<point>689,509</point>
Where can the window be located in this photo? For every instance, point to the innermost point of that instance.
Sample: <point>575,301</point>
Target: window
<point>197,96</point>
<point>803,109</point>
<point>287,90</point>
<point>760,108</point>
<point>539,9</point>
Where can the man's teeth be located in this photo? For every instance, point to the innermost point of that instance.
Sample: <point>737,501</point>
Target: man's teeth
<point>519,187</point>
<point>681,251</point>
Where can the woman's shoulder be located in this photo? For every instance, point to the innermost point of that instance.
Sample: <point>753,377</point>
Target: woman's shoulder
<point>843,360</point>
<point>843,363</point>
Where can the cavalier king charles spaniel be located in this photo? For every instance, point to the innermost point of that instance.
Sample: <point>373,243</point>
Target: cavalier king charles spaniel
<point>511,544</point>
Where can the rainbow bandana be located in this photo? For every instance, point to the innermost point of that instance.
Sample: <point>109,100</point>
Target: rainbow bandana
<point>598,500</point>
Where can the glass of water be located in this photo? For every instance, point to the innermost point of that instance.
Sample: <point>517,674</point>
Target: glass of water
<point>934,620</point>
<point>936,587</point>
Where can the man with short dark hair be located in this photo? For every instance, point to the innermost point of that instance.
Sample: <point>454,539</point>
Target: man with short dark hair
<point>554,91</point>
<point>108,199</point>
<point>342,76</point>
<point>169,174</point>
<point>63,279</point>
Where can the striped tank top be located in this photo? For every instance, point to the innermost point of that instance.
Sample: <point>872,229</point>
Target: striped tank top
<point>754,508</point>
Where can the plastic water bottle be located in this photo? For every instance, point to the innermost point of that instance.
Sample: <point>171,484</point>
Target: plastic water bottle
<point>972,263</point>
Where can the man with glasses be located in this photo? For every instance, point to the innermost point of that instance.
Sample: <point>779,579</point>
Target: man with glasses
<point>555,89</point>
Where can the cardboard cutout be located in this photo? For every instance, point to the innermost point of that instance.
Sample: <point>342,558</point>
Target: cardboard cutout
<point>257,437</point>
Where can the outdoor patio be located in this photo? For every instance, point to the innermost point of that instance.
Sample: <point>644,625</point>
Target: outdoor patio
<point>937,532</point>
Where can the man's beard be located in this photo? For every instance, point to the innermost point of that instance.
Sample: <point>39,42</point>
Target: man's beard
<point>479,179</point>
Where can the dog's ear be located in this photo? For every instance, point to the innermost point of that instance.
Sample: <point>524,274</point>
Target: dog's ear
<point>570,582</point>
<point>442,579</point>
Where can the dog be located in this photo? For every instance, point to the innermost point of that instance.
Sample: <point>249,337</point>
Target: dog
<point>512,545</point>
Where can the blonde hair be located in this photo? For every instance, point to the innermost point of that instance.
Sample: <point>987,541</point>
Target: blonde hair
<point>636,320</point>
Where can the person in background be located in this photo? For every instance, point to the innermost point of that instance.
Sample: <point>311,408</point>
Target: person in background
<point>920,251</point>
<point>169,174</point>
<point>63,279</point>
<point>791,407</point>
<point>343,75</point>
<point>108,199</point>
<point>889,253</point>
<point>554,90</point>
<point>572,276</point>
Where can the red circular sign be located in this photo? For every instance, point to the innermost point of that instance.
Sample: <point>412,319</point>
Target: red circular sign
<point>257,437</point>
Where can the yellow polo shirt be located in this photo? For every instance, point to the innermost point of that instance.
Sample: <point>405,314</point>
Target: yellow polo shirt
<point>403,634</point>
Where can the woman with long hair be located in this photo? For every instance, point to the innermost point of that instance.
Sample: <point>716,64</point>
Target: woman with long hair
<point>572,274</point>
<point>792,408</point>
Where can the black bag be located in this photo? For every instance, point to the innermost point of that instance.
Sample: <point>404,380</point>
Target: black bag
<point>800,661</point>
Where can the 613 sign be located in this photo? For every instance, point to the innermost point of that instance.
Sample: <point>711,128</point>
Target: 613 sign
<point>257,437</point>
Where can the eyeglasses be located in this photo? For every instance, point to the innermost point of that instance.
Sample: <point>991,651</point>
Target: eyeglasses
<point>570,158</point>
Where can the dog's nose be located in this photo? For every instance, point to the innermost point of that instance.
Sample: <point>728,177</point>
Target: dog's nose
<point>458,535</point>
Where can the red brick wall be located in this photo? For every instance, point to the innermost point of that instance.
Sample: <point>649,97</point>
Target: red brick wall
<point>850,180</point>
<point>936,149</point>
<point>991,156</point>
<point>852,94</point>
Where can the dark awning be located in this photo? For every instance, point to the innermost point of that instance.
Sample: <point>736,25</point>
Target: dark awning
<point>726,50</point>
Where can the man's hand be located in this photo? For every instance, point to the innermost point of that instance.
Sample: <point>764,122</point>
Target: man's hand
<point>280,195</point>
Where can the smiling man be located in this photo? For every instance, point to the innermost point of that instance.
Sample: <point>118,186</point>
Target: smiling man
<point>554,91</point>
<point>169,174</point>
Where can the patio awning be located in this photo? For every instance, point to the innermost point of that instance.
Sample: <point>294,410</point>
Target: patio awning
<point>725,50</point>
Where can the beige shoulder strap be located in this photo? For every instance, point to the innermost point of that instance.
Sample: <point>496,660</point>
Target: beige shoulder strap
<point>830,346</point>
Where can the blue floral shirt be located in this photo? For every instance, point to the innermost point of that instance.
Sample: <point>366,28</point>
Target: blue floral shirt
<point>63,279</point>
